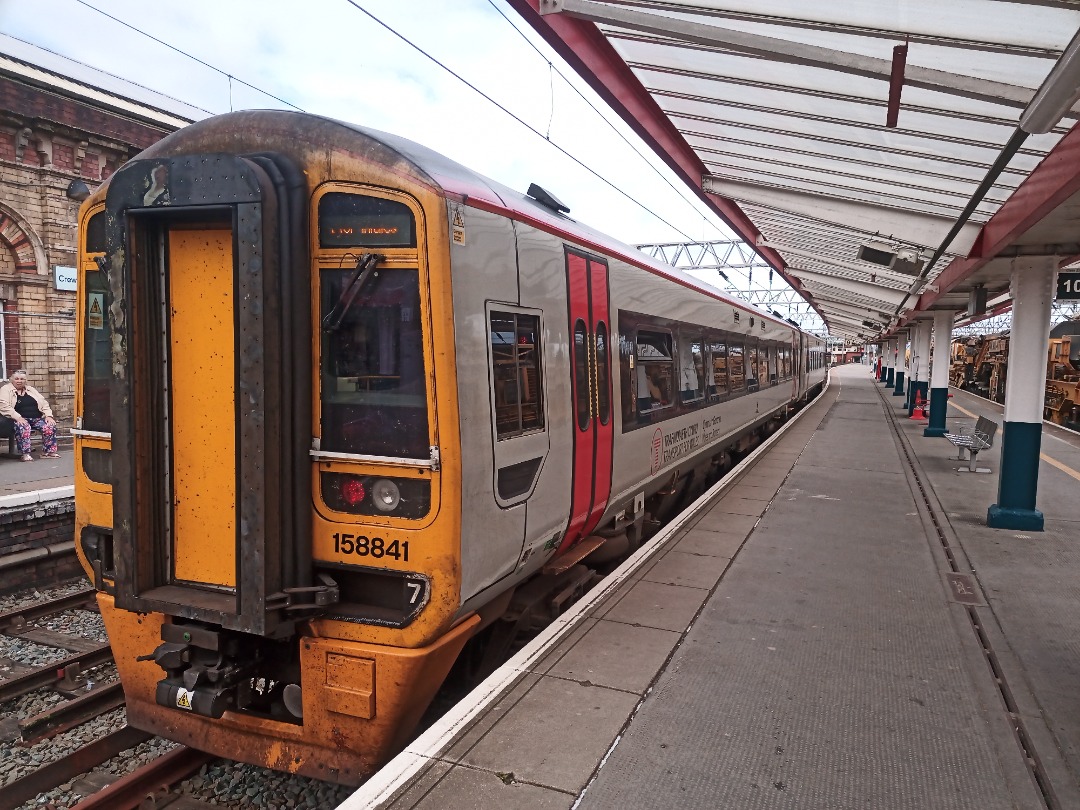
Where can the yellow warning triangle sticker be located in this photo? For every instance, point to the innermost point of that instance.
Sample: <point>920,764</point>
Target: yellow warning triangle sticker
<point>95,307</point>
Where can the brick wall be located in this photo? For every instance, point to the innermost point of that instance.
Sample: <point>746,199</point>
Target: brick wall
<point>32,102</point>
<point>47,140</point>
<point>34,527</point>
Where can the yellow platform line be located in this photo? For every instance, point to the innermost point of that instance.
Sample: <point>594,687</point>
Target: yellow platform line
<point>1053,462</point>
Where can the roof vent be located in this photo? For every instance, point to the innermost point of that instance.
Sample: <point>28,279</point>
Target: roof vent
<point>547,199</point>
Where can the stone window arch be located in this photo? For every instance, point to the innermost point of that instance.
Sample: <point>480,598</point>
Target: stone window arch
<point>25,245</point>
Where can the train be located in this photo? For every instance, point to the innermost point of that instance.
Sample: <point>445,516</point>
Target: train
<point>981,365</point>
<point>349,414</point>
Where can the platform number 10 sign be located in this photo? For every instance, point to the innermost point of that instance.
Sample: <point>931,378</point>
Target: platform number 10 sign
<point>1068,286</point>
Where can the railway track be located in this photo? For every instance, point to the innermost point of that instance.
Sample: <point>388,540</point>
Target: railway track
<point>63,739</point>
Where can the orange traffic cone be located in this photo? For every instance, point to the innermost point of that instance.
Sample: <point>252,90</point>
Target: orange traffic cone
<point>919,412</point>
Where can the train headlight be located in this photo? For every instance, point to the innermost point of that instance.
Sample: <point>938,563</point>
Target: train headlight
<point>385,495</point>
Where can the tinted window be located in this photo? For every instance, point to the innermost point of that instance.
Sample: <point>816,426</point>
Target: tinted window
<point>603,374</point>
<point>515,356</point>
<point>691,370</point>
<point>95,233</point>
<point>353,220</point>
<point>374,399</point>
<point>581,374</point>
<point>736,370</point>
<point>654,373</point>
<point>718,384</point>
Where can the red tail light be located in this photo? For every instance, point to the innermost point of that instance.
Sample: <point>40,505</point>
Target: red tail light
<point>352,490</point>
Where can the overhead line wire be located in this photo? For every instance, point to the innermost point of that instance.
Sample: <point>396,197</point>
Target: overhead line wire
<point>110,75</point>
<point>230,76</point>
<point>604,118</point>
<point>460,78</point>
<point>521,121</point>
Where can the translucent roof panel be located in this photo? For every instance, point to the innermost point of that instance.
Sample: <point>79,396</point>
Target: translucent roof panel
<point>777,112</point>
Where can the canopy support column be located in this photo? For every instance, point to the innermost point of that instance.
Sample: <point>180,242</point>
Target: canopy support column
<point>939,379</point>
<point>1033,281</point>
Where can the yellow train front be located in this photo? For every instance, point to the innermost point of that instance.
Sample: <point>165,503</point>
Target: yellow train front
<point>248,284</point>
<point>339,398</point>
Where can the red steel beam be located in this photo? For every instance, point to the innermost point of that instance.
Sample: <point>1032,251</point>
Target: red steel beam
<point>588,52</point>
<point>1052,183</point>
<point>896,84</point>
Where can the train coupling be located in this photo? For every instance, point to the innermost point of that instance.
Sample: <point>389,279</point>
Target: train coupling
<point>210,671</point>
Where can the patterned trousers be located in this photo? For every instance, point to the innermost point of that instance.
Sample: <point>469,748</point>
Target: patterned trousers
<point>48,435</point>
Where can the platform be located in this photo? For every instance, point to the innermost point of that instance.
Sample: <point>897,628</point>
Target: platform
<point>828,632</point>
<point>18,477</point>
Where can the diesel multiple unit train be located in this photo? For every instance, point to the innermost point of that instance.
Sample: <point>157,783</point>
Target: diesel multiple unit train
<point>344,405</point>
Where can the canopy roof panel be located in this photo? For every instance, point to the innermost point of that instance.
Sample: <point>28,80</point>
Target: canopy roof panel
<point>816,131</point>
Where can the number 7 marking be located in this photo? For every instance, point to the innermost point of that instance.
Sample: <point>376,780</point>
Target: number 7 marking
<point>416,589</point>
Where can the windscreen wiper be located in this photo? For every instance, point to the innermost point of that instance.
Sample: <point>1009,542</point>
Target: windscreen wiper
<point>365,269</point>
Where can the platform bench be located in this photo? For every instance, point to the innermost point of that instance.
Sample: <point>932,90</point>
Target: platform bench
<point>981,438</point>
<point>7,431</point>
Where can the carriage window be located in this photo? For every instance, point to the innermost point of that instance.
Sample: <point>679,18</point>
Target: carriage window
<point>736,370</point>
<point>753,368</point>
<point>691,370</point>
<point>515,358</point>
<point>97,333</point>
<point>718,383</point>
<point>374,396</point>
<point>654,371</point>
<point>603,393</point>
<point>353,220</point>
<point>581,374</point>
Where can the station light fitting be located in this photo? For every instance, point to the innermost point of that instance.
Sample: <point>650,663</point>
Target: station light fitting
<point>1060,90</point>
<point>77,190</point>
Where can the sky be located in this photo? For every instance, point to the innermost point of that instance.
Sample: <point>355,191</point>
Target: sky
<point>330,57</point>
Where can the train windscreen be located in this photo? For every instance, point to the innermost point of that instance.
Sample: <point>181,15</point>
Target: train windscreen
<point>374,399</point>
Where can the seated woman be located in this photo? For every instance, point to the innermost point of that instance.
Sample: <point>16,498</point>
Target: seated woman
<point>30,411</point>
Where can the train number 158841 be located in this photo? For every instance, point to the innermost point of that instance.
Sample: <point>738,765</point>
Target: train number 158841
<point>375,547</point>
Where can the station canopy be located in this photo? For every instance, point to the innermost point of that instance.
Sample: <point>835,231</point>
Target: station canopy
<point>887,158</point>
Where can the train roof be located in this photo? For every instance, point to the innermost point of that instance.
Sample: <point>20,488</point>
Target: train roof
<point>455,181</point>
<point>473,188</point>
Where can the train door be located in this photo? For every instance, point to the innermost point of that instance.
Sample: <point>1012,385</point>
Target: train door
<point>590,373</point>
<point>209,299</point>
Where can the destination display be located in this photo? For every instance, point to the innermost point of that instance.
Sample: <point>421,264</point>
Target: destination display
<point>352,220</point>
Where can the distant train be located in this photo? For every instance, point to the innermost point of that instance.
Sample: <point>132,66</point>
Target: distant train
<point>344,405</point>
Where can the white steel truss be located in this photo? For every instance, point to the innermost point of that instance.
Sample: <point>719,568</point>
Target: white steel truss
<point>735,262</point>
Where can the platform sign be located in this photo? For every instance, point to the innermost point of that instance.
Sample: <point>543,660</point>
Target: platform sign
<point>65,277</point>
<point>1068,286</point>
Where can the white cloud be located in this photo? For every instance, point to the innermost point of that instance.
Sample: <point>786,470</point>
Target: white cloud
<point>329,58</point>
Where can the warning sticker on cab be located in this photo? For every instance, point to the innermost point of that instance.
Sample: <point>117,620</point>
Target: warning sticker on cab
<point>183,698</point>
<point>95,315</point>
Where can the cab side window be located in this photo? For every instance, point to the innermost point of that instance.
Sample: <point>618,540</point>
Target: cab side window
<point>515,358</point>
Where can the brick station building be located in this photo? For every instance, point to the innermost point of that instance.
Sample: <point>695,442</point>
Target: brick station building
<point>60,136</point>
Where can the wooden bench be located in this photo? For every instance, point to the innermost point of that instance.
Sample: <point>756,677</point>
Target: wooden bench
<point>981,438</point>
